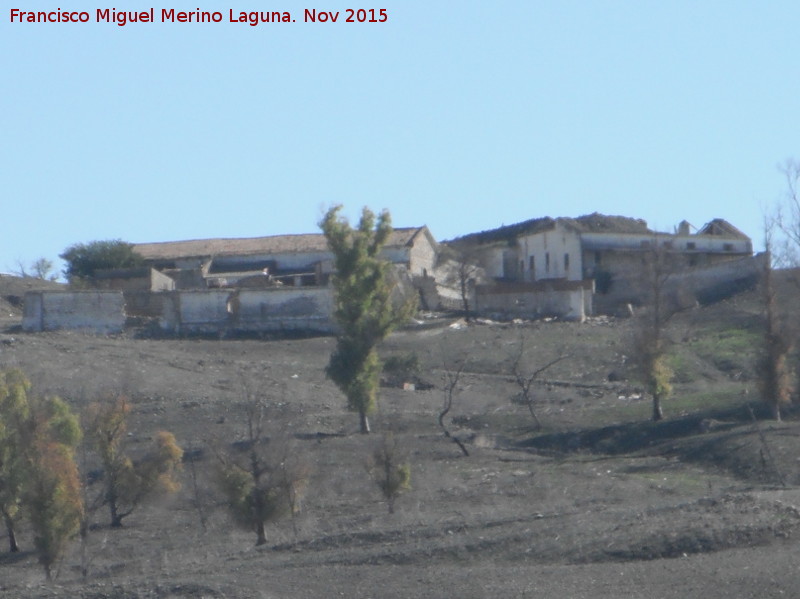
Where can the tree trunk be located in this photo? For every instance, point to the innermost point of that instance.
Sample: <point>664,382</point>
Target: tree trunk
<point>460,444</point>
<point>116,518</point>
<point>111,499</point>
<point>262,535</point>
<point>12,539</point>
<point>83,532</point>
<point>658,414</point>
<point>364,422</point>
<point>447,434</point>
<point>533,414</point>
<point>464,299</point>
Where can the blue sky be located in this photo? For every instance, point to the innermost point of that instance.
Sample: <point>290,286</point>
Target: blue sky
<point>460,115</point>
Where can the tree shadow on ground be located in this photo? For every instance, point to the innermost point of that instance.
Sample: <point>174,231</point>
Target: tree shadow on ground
<point>631,437</point>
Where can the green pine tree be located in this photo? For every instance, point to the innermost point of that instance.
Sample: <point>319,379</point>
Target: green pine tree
<point>364,309</point>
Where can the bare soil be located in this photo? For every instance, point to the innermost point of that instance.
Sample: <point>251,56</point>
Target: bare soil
<point>597,503</point>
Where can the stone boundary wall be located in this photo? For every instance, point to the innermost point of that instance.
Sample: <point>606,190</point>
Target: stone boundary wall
<point>706,284</point>
<point>212,311</point>
<point>101,312</point>
<point>144,304</point>
<point>248,310</point>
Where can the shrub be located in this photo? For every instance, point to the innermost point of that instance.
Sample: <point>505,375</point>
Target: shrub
<point>127,483</point>
<point>390,471</point>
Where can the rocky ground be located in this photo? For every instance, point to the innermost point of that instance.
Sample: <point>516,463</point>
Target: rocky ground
<point>597,502</point>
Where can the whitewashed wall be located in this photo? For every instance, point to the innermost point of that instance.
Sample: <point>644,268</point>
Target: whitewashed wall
<point>100,312</point>
<point>563,299</point>
<point>556,244</point>
<point>249,310</point>
<point>298,308</point>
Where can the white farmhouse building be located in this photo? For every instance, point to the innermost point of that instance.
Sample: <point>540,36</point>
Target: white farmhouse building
<point>299,260</point>
<point>607,251</point>
<point>579,248</point>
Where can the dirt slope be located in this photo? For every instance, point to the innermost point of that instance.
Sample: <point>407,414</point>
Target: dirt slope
<point>598,503</point>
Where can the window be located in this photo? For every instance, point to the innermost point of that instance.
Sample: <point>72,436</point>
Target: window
<point>532,266</point>
<point>547,262</point>
<point>566,262</point>
<point>598,258</point>
<point>691,245</point>
<point>728,247</point>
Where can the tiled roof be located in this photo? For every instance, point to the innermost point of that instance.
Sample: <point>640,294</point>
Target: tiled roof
<point>590,223</point>
<point>275,244</point>
<point>603,223</point>
<point>506,233</point>
<point>721,227</point>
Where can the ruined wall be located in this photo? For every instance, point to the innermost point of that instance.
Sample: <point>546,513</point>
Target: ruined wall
<point>438,295</point>
<point>285,309</point>
<point>139,283</point>
<point>195,311</point>
<point>562,299</point>
<point>91,311</point>
<point>619,264</point>
<point>704,284</point>
<point>449,298</point>
<point>248,310</point>
<point>141,279</point>
<point>186,278</point>
<point>160,282</point>
<point>144,304</point>
<point>722,280</point>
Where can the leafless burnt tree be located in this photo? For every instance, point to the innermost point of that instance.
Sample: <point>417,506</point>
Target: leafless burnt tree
<point>450,388</point>
<point>464,269</point>
<point>786,251</point>
<point>773,370</point>
<point>650,341</point>
<point>525,378</point>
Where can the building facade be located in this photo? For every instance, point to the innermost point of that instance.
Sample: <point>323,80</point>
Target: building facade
<point>578,248</point>
<point>609,251</point>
